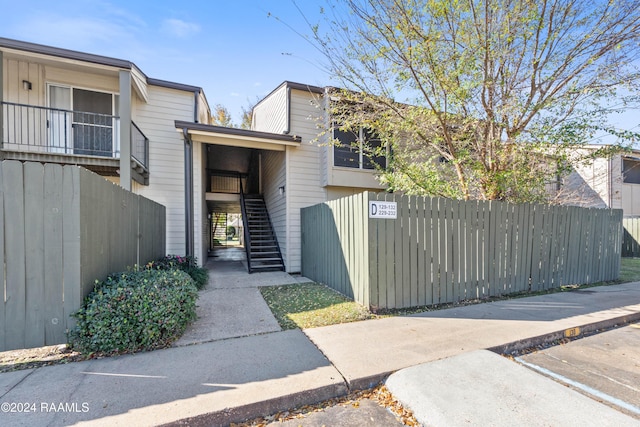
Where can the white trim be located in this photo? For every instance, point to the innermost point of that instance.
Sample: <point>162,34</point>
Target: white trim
<point>239,140</point>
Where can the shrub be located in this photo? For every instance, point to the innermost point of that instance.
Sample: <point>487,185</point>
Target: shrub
<point>188,264</point>
<point>134,311</point>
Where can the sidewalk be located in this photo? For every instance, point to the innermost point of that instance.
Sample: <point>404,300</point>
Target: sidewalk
<point>225,379</point>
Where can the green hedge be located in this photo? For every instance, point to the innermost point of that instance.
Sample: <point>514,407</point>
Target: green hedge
<point>134,311</point>
<point>188,264</point>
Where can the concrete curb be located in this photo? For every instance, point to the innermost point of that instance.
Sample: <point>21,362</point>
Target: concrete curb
<point>262,408</point>
<point>312,396</point>
<point>373,380</point>
<point>309,397</point>
<point>553,336</point>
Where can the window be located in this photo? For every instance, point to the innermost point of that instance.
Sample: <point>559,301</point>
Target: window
<point>350,153</point>
<point>631,171</point>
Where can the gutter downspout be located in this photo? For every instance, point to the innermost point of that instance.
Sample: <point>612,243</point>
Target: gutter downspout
<point>288,112</point>
<point>188,192</point>
<point>610,179</point>
<point>195,106</point>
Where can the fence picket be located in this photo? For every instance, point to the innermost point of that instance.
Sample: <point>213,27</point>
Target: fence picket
<point>15,287</point>
<point>487,256</point>
<point>414,244</point>
<point>34,253</point>
<point>54,327</point>
<point>421,282</point>
<point>428,259</point>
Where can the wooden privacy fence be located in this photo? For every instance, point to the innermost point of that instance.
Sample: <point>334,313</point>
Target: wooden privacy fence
<point>631,238</point>
<point>61,228</point>
<point>442,251</point>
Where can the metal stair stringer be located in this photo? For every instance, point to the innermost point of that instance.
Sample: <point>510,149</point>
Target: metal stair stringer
<point>264,251</point>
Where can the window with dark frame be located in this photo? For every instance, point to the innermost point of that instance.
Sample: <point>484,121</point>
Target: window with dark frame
<point>346,154</point>
<point>349,153</point>
<point>631,171</point>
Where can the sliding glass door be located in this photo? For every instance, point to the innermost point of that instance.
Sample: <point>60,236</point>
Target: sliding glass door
<point>82,121</point>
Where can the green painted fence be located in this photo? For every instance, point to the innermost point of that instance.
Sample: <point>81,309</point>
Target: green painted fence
<point>441,251</point>
<point>61,228</point>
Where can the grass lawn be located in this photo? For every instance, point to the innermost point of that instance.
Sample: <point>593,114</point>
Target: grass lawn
<point>629,270</point>
<point>312,305</point>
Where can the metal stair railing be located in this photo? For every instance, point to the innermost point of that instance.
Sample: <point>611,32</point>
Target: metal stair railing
<point>245,227</point>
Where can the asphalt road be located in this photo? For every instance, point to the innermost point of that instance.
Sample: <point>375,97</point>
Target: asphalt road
<point>605,367</point>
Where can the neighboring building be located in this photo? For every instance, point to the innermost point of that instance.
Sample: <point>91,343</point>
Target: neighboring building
<point>153,137</point>
<point>605,183</point>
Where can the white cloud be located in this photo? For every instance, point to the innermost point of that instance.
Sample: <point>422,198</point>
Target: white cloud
<point>180,28</point>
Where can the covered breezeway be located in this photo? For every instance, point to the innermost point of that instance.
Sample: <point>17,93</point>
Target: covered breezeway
<point>232,171</point>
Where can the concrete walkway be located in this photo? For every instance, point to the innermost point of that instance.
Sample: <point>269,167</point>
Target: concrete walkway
<point>212,378</point>
<point>231,305</point>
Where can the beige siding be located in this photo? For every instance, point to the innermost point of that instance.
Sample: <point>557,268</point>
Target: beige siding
<point>324,140</point>
<point>273,177</point>
<point>166,156</point>
<point>201,229</point>
<point>204,112</point>
<point>14,73</point>
<point>304,187</point>
<point>270,115</point>
<point>630,199</point>
<point>596,184</point>
<point>617,195</point>
<point>39,75</point>
<point>82,79</point>
<point>334,193</point>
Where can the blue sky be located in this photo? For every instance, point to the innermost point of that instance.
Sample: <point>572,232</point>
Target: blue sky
<point>236,50</point>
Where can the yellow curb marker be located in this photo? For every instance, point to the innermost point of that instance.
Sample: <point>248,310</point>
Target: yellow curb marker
<point>571,332</point>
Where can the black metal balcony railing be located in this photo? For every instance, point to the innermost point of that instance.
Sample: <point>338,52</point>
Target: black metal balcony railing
<point>139,146</point>
<point>56,131</point>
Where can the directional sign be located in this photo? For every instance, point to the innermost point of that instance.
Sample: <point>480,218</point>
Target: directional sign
<point>388,210</point>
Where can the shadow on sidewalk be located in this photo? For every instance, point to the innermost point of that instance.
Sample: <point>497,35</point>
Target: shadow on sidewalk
<point>547,308</point>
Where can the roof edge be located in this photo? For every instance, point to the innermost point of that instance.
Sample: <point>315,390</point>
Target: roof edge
<point>304,87</point>
<point>293,85</point>
<point>92,58</point>
<point>64,53</point>
<point>173,85</point>
<point>235,131</point>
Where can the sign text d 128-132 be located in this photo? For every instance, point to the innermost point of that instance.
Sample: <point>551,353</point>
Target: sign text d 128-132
<point>388,210</point>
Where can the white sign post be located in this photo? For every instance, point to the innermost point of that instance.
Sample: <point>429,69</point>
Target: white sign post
<point>386,210</point>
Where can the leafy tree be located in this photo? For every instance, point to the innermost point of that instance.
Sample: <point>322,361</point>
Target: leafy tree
<point>221,116</point>
<point>247,116</point>
<point>486,99</point>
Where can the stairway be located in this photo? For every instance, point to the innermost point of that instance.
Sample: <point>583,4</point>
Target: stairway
<point>263,251</point>
<point>219,229</point>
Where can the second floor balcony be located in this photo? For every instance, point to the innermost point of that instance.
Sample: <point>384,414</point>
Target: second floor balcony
<point>87,139</point>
